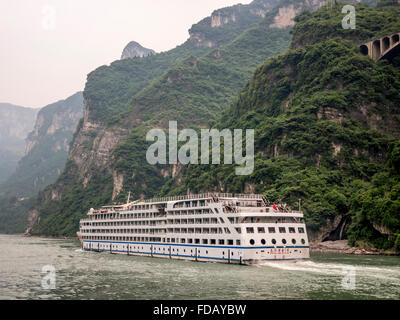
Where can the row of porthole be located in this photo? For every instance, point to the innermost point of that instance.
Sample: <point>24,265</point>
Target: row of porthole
<point>173,250</point>
<point>263,242</point>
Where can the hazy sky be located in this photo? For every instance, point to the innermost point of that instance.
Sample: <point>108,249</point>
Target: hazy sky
<point>49,46</point>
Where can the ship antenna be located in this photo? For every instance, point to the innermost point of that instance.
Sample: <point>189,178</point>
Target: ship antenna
<point>129,197</point>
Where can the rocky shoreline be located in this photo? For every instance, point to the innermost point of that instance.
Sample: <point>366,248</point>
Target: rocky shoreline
<point>341,246</point>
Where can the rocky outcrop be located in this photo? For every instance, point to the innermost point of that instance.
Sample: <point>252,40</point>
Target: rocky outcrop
<point>285,17</point>
<point>241,15</point>
<point>118,183</point>
<point>342,247</point>
<point>134,50</point>
<point>218,19</point>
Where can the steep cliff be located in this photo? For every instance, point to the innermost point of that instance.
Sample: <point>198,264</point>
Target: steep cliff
<point>15,124</point>
<point>46,152</point>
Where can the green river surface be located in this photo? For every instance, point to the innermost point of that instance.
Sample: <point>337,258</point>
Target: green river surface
<point>91,275</point>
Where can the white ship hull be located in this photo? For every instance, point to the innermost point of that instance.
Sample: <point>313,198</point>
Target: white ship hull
<point>239,255</point>
<point>203,228</point>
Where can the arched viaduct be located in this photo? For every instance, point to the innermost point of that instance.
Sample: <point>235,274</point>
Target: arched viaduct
<point>382,48</point>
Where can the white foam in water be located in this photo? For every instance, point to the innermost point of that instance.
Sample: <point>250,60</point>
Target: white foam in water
<point>335,269</point>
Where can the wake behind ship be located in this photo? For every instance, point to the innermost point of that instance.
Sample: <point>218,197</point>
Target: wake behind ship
<point>229,228</point>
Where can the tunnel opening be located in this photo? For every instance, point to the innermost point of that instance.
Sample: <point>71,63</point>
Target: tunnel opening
<point>364,49</point>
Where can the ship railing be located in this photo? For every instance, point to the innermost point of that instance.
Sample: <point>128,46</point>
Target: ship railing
<point>206,196</point>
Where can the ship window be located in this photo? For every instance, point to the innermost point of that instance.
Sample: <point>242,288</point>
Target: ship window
<point>205,241</point>
<point>196,240</point>
<point>190,240</point>
<point>263,241</point>
<point>221,241</point>
<point>284,241</point>
<point>282,230</point>
<point>301,230</point>
<point>212,241</point>
<point>230,242</point>
<point>261,230</point>
<point>250,230</point>
<point>271,230</point>
<point>303,241</point>
<point>252,241</point>
<point>183,240</point>
<point>238,230</point>
<point>294,241</point>
<point>273,241</point>
<point>292,230</point>
<point>238,242</point>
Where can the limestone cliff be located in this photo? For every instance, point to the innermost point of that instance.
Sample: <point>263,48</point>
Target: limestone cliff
<point>134,50</point>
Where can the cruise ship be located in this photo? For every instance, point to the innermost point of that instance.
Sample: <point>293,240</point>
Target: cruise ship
<point>212,227</point>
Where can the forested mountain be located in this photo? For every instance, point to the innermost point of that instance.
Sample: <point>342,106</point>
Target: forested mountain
<point>124,100</point>
<point>326,120</point>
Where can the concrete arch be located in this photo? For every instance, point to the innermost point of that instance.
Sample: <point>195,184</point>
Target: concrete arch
<point>386,47</point>
<point>385,44</point>
<point>376,49</point>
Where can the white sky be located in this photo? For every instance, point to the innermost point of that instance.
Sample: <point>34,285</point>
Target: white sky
<point>49,46</point>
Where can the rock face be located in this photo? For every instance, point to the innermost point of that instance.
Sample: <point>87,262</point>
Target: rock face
<point>15,124</point>
<point>46,147</point>
<point>134,50</point>
<point>239,15</point>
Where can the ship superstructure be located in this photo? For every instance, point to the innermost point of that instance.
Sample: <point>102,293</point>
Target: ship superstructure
<point>218,227</point>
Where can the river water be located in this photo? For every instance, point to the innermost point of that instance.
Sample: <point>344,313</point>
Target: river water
<point>91,275</point>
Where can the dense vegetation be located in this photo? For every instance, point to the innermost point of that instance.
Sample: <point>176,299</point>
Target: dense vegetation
<point>327,123</point>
